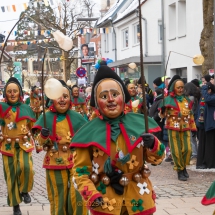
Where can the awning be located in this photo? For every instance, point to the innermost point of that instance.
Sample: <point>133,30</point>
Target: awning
<point>136,59</point>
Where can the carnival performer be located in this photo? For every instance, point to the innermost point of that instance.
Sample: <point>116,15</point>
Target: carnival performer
<point>16,145</point>
<point>109,170</point>
<point>177,108</point>
<point>78,104</point>
<point>62,123</point>
<point>133,94</point>
<point>35,101</point>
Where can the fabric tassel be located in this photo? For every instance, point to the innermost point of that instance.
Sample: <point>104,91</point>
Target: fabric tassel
<point>125,159</point>
<point>107,166</point>
<point>55,146</point>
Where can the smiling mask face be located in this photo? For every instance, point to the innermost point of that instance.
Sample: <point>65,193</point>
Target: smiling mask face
<point>110,99</point>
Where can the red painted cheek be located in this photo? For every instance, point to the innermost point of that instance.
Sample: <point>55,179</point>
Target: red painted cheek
<point>101,104</point>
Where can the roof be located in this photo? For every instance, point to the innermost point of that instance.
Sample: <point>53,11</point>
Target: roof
<point>111,11</point>
<point>5,54</point>
<point>128,10</point>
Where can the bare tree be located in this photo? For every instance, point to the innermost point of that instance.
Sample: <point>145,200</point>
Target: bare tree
<point>206,41</point>
<point>10,70</point>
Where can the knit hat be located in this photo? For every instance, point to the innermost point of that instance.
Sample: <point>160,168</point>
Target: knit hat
<point>33,88</point>
<point>195,82</point>
<point>209,198</point>
<point>15,81</point>
<point>106,72</point>
<point>157,81</point>
<point>207,78</point>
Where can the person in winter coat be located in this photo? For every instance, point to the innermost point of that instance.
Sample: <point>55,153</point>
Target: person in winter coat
<point>208,93</point>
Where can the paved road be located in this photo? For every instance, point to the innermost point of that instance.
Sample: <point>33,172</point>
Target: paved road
<point>173,196</point>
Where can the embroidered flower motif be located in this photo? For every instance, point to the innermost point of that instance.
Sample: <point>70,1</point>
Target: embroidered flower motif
<point>8,146</point>
<point>143,188</point>
<point>74,183</point>
<point>70,158</point>
<point>86,193</point>
<point>132,163</point>
<point>68,137</point>
<point>47,160</point>
<point>7,116</point>
<point>97,152</point>
<point>27,144</point>
<point>108,203</point>
<point>95,167</point>
<point>59,161</point>
<point>140,144</point>
<point>82,171</point>
<point>176,125</point>
<point>10,125</point>
<point>137,205</point>
<point>162,149</point>
<point>132,138</point>
<point>24,129</point>
<point>101,188</point>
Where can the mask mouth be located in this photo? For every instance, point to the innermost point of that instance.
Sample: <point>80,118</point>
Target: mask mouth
<point>62,104</point>
<point>112,106</point>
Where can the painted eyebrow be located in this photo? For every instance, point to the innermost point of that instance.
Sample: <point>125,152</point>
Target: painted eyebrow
<point>104,91</point>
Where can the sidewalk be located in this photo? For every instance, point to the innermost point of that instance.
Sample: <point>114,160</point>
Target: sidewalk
<point>174,206</point>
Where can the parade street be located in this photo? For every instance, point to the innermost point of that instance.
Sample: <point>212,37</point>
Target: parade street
<point>173,196</point>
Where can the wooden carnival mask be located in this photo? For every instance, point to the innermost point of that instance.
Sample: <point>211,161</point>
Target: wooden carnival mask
<point>62,104</point>
<point>75,92</point>
<point>131,89</point>
<point>12,93</point>
<point>110,98</point>
<point>179,88</point>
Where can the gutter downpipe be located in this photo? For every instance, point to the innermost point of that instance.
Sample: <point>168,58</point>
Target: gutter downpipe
<point>163,39</point>
<point>146,36</point>
<point>111,21</point>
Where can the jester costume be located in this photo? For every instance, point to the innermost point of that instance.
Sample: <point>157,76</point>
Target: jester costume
<point>179,122</point>
<point>35,101</point>
<point>109,164</point>
<point>58,160</point>
<point>16,145</point>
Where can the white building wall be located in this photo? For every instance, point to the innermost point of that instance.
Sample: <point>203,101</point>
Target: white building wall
<point>151,11</point>
<point>182,32</point>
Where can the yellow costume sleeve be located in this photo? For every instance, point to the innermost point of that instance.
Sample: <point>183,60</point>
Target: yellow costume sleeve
<point>82,169</point>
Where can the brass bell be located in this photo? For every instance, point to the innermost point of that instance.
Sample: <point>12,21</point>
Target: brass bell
<point>1,139</point>
<point>106,180</point>
<point>94,178</point>
<point>29,134</point>
<point>64,148</point>
<point>17,140</point>
<point>188,117</point>
<point>137,177</point>
<point>124,181</point>
<point>53,149</point>
<point>45,148</point>
<point>179,118</point>
<point>25,138</point>
<point>8,140</point>
<point>173,118</point>
<point>146,172</point>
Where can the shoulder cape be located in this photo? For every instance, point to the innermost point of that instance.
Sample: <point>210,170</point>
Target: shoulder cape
<point>23,112</point>
<point>77,101</point>
<point>98,132</point>
<point>171,102</point>
<point>75,121</point>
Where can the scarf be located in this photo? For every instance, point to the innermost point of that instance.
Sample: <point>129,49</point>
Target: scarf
<point>179,98</point>
<point>14,106</point>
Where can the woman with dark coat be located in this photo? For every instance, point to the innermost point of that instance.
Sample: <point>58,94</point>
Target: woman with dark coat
<point>208,93</point>
<point>191,91</point>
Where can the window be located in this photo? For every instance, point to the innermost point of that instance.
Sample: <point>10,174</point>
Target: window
<point>181,18</point>
<point>172,21</point>
<point>136,34</point>
<point>125,38</point>
<point>160,31</point>
<point>35,65</point>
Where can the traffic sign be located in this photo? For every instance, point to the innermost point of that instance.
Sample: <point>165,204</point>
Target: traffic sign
<point>81,72</point>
